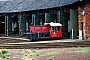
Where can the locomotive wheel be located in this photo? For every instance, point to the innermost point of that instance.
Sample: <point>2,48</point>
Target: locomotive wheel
<point>31,38</point>
<point>27,37</point>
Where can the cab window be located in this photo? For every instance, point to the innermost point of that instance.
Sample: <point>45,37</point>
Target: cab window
<point>55,28</point>
<point>58,28</point>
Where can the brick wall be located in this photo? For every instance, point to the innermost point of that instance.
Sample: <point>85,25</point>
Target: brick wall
<point>85,19</point>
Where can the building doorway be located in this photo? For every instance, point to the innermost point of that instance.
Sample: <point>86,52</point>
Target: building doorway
<point>15,25</point>
<point>2,25</point>
<point>42,19</point>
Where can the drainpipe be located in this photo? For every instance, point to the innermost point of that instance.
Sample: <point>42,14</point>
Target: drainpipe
<point>80,35</point>
<point>81,32</point>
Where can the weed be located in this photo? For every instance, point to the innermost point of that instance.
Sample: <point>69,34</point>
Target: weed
<point>52,53</point>
<point>3,57</point>
<point>0,52</point>
<point>34,51</point>
<point>22,58</point>
<point>27,51</point>
<point>35,55</point>
<point>4,51</point>
<point>8,57</point>
<point>72,50</point>
<point>79,46</point>
<point>25,55</point>
<point>50,58</point>
<point>84,50</point>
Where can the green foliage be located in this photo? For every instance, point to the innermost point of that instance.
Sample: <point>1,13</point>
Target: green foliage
<point>35,55</point>
<point>3,57</point>
<point>79,47</point>
<point>0,52</point>
<point>72,50</point>
<point>7,57</point>
<point>4,51</point>
<point>25,55</point>
<point>27,52</point>
<point>50,58</point>
<point>52,53</point>
<point>34,51</point>
<point>22,58</point>
<point>84,50</point>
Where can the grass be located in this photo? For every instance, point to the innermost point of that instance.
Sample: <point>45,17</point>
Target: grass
<point>5,57</point>
<point>34,51</point>
<point>52,53</point>
<point>83,50</point>
<point>22,58</point>
<point>35,55</point>
<point>27,51</point>
<point>4,51</point>
<point>2,54</point>
<point>39,53</point>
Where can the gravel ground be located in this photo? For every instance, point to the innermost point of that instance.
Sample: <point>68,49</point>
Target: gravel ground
<point>76,53</point>
<point>67,54</point>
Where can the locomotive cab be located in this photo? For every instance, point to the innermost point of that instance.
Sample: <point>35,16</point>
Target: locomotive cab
<point>55,30</point>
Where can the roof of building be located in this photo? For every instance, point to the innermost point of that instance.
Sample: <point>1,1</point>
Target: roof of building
<point>8,6</point>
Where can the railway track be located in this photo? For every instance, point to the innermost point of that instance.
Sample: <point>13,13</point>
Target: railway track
<point>20,44</point>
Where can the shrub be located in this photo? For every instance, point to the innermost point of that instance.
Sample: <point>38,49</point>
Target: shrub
<point>5,51</point>
<point>3,57</point>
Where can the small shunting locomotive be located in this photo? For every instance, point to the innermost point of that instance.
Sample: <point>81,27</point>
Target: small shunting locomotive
<point>48,30</point>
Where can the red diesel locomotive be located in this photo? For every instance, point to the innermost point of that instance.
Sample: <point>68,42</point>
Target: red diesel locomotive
<point>48,30</point>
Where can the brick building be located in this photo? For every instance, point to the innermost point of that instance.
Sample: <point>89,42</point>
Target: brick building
<point>84,19</point>
<point>72,14</point>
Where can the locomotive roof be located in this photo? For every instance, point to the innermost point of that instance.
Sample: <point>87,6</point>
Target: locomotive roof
<point>53,24</point>
<point>9,6</point>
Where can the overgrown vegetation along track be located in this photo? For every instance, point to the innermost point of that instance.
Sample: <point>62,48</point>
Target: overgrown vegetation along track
<point>46,44</point>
